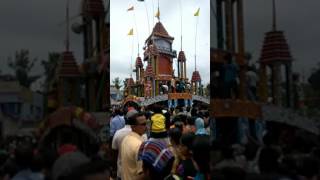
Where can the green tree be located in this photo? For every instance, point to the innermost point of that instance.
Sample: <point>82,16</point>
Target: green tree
<point>117,83</point>
<point>313,92</point>
<point>50,67</point>
<point>314,78</point>
<point>22,66</point>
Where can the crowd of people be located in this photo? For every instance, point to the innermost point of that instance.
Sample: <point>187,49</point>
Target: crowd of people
<point>160,143</point>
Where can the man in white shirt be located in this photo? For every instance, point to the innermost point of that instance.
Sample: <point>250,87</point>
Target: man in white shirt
<point>118,138</point>
<point>131,167</point>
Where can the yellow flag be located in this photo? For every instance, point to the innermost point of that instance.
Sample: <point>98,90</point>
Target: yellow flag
<point>158,14</point>
<point>197,12</point>
<point>130,8</point>
<point>130,32</point>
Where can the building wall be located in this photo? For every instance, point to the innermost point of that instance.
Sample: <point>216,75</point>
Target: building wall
<point>23,105</point>
<point>165,67</point>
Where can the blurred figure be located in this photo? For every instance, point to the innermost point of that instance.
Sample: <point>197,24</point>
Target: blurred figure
<point>308,168</point>
<point>190,126</point>
<point>200,130</point>
<point>98,170</point>
<point>157,160</point>
<point>186,168</point>
<point>118,138</point>
<point>131,167</point>
<point>66,163</point>
<point>117,122</point>
<point>24,158</point>
<point>201,156</point>
<point>175,135</point>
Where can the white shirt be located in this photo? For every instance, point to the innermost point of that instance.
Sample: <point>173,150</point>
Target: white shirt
<point>117,141</point>
<point>252,78</point>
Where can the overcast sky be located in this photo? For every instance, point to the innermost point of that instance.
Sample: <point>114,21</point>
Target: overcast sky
<point>122,21</point>
<point>33,24</point>
<point>299,21</point>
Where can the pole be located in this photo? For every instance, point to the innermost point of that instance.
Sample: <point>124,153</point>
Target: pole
<point>152,13</point>
<point>135,22</point>
<point>144,2</point>
<point>181,23</point>
<point>67,27</point>
<point>131,57</point>
<point>274,15</point>
<point>195,45</point>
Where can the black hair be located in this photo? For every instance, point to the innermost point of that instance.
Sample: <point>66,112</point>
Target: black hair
<point>179,125</point>
<point>194,112</point>
<point>188,108</point>
<point>187,140</point>
<point>201,152</point>
<point>203,114</point>
<point>190,120</point>
<point>167,116</point>
<point>175,134</point>
<point>117,111</point>
<point>183,118</point>
<point>179,108</point>
<point>157,109</point>
<point>133,119</point>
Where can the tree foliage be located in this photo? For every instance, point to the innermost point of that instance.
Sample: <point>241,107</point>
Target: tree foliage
<point>22,66</point>
<point>314,79</point>
<point>117,83</point>
<point>50,66</point>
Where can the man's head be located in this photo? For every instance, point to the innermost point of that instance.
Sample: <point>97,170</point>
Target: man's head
<point>157,109</point>
<point>138,123</point>
<point>205,115</point>
<point>129,115</point>
<point>186,143</point>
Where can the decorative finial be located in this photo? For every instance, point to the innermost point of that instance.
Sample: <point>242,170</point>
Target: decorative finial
<point>158,12</point>
<point>67,27</point>
<point>274,15</point>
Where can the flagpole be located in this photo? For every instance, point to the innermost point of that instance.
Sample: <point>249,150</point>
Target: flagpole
<point>131,56</point>
<point>181,23</point>
<point>67,27</point>
<point>195,45</point>
<point>152,13</point>
<point>135,22</point>
<point>145,5</point>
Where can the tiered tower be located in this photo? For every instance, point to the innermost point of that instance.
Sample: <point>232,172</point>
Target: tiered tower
<point>139,76</point>
<point>68,81</point>
<point>96,52</point>
<point>275,54</point>
<point>159,56</point>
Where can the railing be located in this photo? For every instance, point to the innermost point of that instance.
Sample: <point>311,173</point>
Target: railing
<point>290,117</point>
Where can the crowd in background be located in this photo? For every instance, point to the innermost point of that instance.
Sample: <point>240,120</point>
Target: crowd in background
<point>160,143</point>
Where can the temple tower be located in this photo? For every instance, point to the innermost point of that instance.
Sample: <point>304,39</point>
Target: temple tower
<point>68,81</point>
<point>159,56</point>
<point>275,55</point>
